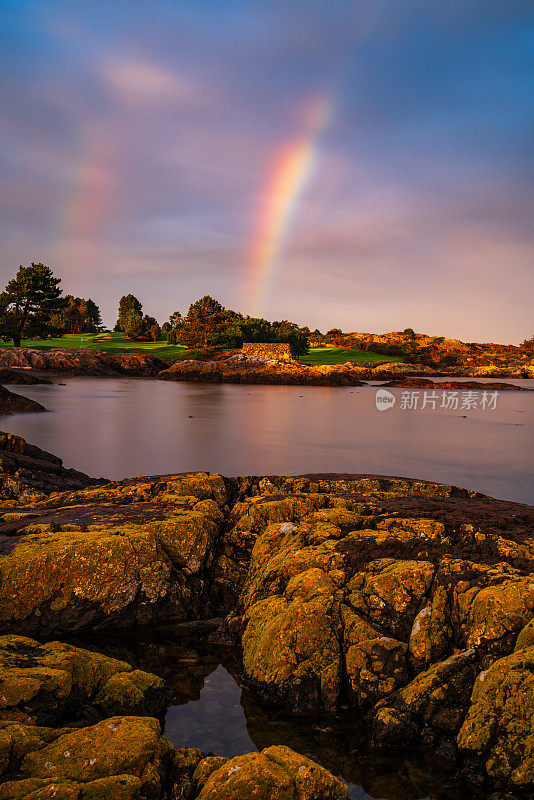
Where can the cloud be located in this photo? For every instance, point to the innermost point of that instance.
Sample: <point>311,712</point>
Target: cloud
<point>144,84</point>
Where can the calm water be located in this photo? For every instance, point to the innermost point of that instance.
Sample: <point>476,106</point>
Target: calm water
<point>125,427</point>
<point>212,711</point>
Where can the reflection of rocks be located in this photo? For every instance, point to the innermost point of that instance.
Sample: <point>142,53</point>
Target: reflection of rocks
<point>81,361</point>
<point>10,402</point>
<point>28,474</point>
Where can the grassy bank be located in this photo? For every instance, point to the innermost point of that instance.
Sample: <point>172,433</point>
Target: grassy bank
<point>110,343</point>
<point>118,343</point>
<point>334,355</point>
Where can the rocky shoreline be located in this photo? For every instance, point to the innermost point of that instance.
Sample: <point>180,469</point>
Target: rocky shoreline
<point>24,365</point>
<point>407,601</point>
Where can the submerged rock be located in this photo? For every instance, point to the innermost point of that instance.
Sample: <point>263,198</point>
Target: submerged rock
<point>22,377</point>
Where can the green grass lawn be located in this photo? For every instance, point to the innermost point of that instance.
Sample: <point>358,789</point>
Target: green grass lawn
<point>111,343</point>
<point>118,343</point>
<point>334,355</point>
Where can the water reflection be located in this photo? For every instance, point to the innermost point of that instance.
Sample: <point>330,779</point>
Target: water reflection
<point>214,712</point>
<point>124,427</point>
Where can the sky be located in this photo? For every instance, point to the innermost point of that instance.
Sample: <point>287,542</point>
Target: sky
<point>359,164</point>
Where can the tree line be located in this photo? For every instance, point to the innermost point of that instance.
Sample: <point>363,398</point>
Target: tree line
<point>32,307</point>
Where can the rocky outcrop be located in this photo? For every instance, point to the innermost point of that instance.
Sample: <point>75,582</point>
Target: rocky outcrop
<point>127,758</point>
<point>81,361</point>
<point>277,773</point>
<point>242,369</point>
<point>11,403</point>
<point>439,352</point>
<point>29,474</point>
<point>56,683</point>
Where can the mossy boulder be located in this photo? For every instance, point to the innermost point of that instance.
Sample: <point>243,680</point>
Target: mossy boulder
<point>120,757</point>
<point>277,773</point>
<point>129,552</point>
<point>498,731</point>
<point>55,682</point>
<point>431,708</point>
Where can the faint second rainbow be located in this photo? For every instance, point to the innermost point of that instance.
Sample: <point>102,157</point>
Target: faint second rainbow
<point>290,170</point>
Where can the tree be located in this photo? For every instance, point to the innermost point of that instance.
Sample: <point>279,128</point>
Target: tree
<point>132,323</point>
<point>204,324</point>
<point>128,305</point>
<point>77,316</point>
<point>174,320</point>
<point>291,333</point>
<point>528,346</point>
<point>28,302</point>
<point>155,331</point>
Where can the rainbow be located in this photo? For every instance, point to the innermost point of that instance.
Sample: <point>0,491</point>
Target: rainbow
<point>290,171</point>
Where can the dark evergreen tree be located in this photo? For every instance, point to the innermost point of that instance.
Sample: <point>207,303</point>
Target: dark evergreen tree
<point>28,303</point>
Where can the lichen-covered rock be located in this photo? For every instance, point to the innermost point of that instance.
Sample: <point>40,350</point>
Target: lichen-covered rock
<point>51,683</point>
<point>498,731</point>
<point>277,773</point>
<point>126,758</point>
<point>126,552</point>
<point>357,584</point>
<point>430,708</point>
<point>120,757</point>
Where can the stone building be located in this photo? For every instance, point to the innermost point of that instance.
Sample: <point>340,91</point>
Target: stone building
<point>277,350</point>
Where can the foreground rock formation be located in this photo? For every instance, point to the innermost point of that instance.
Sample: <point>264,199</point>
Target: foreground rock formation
<point>407,601</point>
<point>11,402</point>
<point>69,729</point>
<point>81,361</point>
